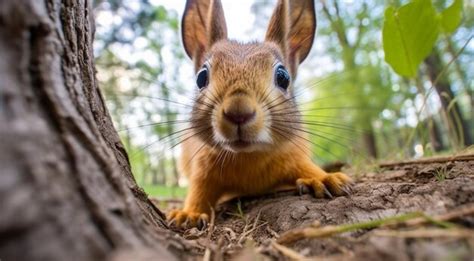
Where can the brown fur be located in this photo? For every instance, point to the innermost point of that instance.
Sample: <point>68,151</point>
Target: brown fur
<point>275,150</point>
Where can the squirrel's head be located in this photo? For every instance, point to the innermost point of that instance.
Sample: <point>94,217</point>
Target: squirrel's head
<point>245,96</point>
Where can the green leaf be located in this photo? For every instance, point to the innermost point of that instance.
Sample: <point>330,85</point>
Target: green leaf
<point>161,13</point>
<point>409,34</point>
<point>451,17</point>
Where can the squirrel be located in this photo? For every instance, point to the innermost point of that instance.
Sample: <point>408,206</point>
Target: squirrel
<point>246,135</point>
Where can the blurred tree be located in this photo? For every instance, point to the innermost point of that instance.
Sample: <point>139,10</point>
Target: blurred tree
<point>360,73</point>
<point>454,117</point>
<point>134,80</point>
<point>410,33</point>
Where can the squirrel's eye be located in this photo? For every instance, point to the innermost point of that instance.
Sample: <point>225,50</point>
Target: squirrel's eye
<point>282,77</point>
<point>202,78</point>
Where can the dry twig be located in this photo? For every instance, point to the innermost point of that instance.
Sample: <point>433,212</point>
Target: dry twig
<point>288,252</point>
<point>427,233</point>
<point>409,219</point>
<point>465,157</point>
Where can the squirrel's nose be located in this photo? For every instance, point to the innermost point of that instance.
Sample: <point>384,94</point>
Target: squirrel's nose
<point>239,118</point>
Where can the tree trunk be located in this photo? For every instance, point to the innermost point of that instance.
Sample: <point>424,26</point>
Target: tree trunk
<point>369,141</point>
<point>455,119</point>
<point>435,135</point>
<point>349,60</point>
<point>161,172</point>
<point>66,190</point>
<point>452,50</point>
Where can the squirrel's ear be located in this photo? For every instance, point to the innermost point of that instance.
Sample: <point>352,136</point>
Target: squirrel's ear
<point>202,25</point>
<point>292,27</point>
<point>277,31</point>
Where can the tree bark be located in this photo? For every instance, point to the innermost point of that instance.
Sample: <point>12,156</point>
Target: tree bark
<point>66,190</point>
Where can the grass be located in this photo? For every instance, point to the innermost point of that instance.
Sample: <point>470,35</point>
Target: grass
<point>441,173</point>
<point>162,191</point>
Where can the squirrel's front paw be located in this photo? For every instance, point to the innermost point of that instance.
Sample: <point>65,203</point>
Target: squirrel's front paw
<point>332,184</point>
<point>187,219</point>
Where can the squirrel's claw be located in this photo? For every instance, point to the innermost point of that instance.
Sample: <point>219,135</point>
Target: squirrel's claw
<point>201,224</point>
<point>347,189</point>
<point>308,186</point>
<point>328,186</point>
<point>186,219</point>
<point>303,189</point>
<point>171,223</point>
<point>327,193</point>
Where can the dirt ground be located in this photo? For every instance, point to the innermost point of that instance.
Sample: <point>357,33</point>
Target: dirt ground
<point>443,190</point>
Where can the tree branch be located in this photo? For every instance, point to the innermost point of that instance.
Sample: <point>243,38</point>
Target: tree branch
<point>337,25</point>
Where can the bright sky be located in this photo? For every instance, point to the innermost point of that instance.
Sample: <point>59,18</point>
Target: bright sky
<point>238,16</point>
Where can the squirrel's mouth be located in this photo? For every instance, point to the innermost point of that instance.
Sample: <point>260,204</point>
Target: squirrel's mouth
<point>241,143</point>
<point>238,139</point>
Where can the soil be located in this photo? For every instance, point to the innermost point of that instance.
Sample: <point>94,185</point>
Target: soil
<point>247,228</point>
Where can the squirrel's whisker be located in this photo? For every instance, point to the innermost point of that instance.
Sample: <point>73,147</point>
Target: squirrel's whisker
<point>287,137</point>
<point>322,124</point>
<point>285,128</point>
<point>321,136</point>
<point>299,92</point>
<point>169,136</point>
<point>155,124</point>
<point>331,108</point>
<point>307,116</point>
<point>171,101</point>
<point>194,154</point>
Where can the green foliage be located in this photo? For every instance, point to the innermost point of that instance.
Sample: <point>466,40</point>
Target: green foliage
<point>451,17</point>
<point>163,191</point>
<point>409,34</point>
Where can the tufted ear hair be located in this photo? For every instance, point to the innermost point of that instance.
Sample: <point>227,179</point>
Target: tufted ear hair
<point>202,25</point>
<point>292,27</point>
